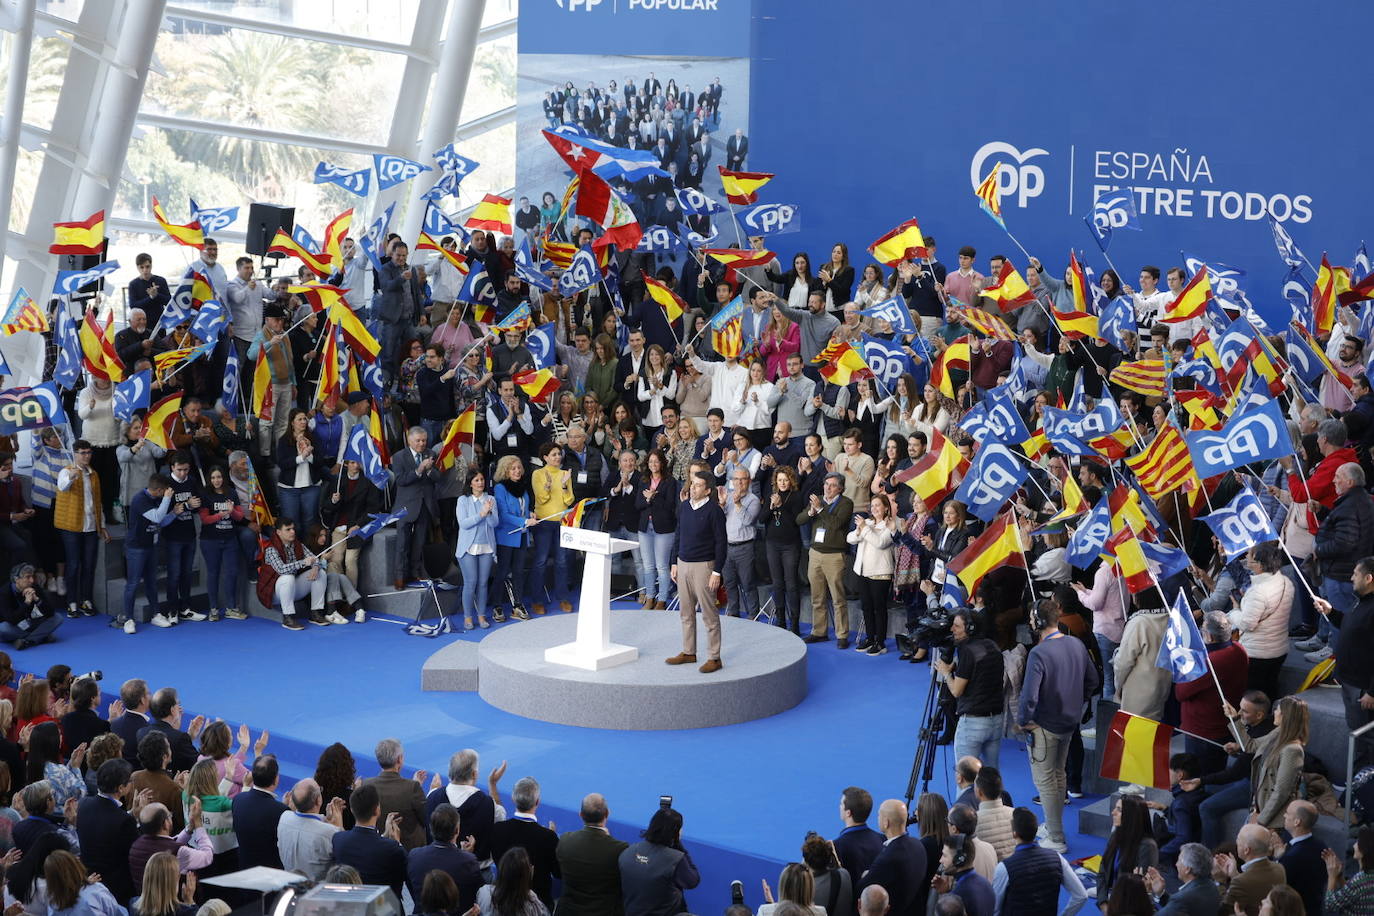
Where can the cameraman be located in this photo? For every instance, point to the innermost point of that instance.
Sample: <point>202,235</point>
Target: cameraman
<point>974,678</point>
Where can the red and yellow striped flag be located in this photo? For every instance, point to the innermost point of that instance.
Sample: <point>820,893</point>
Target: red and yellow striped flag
<point>460,432</point>
<point>1202,408</point>
<point>334,235</point>
<point>572,517</point>
<point>989,195</point>
<point>189,235</point>
<point>742,187</point>
<point>492,213</point>
<point>672,305</point>
<point>356,334</point>
<point>1324,293</point>
<point>98,349</point>
<point>937,473</point>
<point>955,356</point>
<point>999,545</point>
<point>1137,751</point>
<point>158,424</point>
<point>320,296</point>
<point>262,514</point>
<point>329,382</point>
<point>1074,503</point>
<point>1165,464</point>
<point>24,315</point>
<point>1145,376</point>
<point>262,385</point>
<point>85,237</point>
<point>1127,512</point>
<point>988,324</point>
<point>1038,445</point>
<point>283,243</point>
<point>900,244</point>
<point>1010,290</point>
<point>736,259</point>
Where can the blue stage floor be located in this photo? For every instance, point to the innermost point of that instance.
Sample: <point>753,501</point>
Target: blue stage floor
<point>748,793</point>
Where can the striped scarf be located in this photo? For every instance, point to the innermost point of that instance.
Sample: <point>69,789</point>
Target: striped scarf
<point>47,463</point>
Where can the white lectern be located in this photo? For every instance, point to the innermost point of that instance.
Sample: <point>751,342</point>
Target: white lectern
<point>593,649</point>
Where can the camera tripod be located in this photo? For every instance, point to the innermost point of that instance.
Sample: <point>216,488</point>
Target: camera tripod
<point>932,724</point>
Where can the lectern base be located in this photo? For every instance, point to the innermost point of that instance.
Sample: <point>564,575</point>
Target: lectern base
<point>591,658</point>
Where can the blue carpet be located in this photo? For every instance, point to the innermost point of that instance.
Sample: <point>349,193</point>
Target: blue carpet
<point>748,793</point>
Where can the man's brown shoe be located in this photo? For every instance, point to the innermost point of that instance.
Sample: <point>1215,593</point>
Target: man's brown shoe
<point>565,606</point>
<point>400,585</point>
<point>538,609</point>
<point>682,658</point>
<point>659,606</point>
<point>712,664</point>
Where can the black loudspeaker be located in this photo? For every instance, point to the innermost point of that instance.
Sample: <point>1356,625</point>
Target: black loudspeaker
<point>263,222</point>
<point>84,262</point>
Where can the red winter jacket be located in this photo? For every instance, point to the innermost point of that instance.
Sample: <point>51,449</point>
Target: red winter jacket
<point>1199,706</point>
<point>1321,485</point>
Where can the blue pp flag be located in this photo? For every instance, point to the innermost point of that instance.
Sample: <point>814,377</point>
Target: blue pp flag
<point>362,449</point>
<point>438,224</point>
<point>229,394</point>
<point>1091,535</point>
<point>770,219</point>
<point>71,281</point>
<point>993,479</point>
<point>134,393</point>
<point>1297,292</point>
<point>210,320</point>
<point>1241,524</point>
<point>526,268</point>
<point>477,288</point>
<point>373,381</point>
<point>581,274</point>
<point>1288,249</point>
<point>392,170</point>
<point>1182,653</point>
<point>302,237</point>
<point>452,163</point>
<point>1257,434</point>
<point>1111,211</point>
<point>357,182</point>
<point>995,419</point>
<point>1116,319</point>
<point>1304,361</point>
<point>541,346</point>
<point>696,202</point>
<point>1170,560</point>
<point>371,241</point>
<point>1061,428</point>
<point>895,313</point>
<point>68,368</point>
<point>30,408</point>
<point>887,359</point>
<point>215,219</point>
<point>379,521</point>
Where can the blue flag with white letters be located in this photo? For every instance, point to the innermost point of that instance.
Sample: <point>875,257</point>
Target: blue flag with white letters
<point>695,202</point>
<point>1118,317</point>
<point>895,313</point>
<point>134,393</point>
<point>213,220</point>
<point>392,170</point>
<point>1257,434</point>
<point>1111,211</point>
<point>452,163</point>
<point>540,343</point>
<point>997,473</point>
<point>229,394</point>
<point>581,274</point>
<point>379,521</point>
<point>887,359</point>
<point>1183,653</point>
<point>357,182</point>
<point>371,241</point>
<point>362,449</point>
<point>1241,524</point>
<point>1091,535</point>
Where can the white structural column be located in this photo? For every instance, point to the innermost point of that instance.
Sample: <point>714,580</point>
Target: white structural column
<point>446,105</point>
<point>16,85</point>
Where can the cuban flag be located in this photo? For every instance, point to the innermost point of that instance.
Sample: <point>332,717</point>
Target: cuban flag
<point>362,449</point>
<point>1241,524</point>
<point>1183,653</point>
<point>895,313</point>
<point>134,393</point>
<point>393,170</point>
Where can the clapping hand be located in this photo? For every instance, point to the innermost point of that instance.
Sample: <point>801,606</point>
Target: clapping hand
<point>1154,881</point>
<point>393,826</point>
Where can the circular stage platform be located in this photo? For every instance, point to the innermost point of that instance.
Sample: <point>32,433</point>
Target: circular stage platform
<point>764,673</point>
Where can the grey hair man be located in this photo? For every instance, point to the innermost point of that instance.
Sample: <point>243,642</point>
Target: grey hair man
<point>398,795</point>
<point>524,829</point>
<point>1197,892</point>
<point>1344,538</point>
<point>477,810</point>
<point>305,834</point>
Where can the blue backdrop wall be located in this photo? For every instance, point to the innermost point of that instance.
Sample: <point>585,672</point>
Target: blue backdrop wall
<point>876,111</point>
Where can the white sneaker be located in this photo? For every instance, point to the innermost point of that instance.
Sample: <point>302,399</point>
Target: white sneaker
<point>336,617</point>
<point>61,587</point>
<point>1087,733</point>
<point>160,620</point>
<point>193,616</point>
<point>1311,644</point>
<point>1131,789</point>
<point>130,627</point>
<point>360,616</point>
<point>1060,848</point>
<point>1320,655</point>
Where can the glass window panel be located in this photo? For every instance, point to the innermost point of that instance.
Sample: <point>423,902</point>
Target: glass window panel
<point>383,20</point>
<point>66,9</point>
<point>500,11</point>
<point>47,65</point>
<point>26,171</point>
<point>492,84</point>
<point>252,79</point>
<point>495,149</point>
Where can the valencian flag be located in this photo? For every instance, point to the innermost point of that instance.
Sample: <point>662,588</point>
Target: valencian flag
<point>262,386</point>
<point>832,349</point>
<point>23,315</point>
<point>727,334</point>
<point>560,254</point>
<point>258,500</point>
<point>1137,751</point>
<point>999,545</point>
<point>284,244</point>
<point>492,213</point>
<point>158,424</point>
<point>672,305</point>
<point>1009,290</point>
<point>936,474</point>
<point>847,365</point>
<point>573,516</point>
<point>1192,299</point>
<point>1145,376</point>
<point>356,335</point>
<point>990,197</point>
<point>540,384</point>
<point>86,237</point>
<point>1165,464</point>
<point>460,433</point>
<point>988,324</point>
<point>1324,295</point>
<point>901,244</point>
<point>1130,559</point>
<point>742,187</point>
<point>189,235</point>
<point>98,349</point>
<point>955,356</point>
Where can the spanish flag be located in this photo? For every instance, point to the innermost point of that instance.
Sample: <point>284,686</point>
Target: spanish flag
<point>901,244</point>
<point>189,235</point>
<point>426,242</point>
<point>1130,559</point>
<point>1165,464</point>
<point>1038,445</point>
<point>955,356</point>
<point>459,262</point>
<point>742,187</point>
<point>1358,292</point>
<point>320,296</point>
<point>334,235</point>
<point>374,429</point>
<point>460,432</point>
<point>1202,408</point>
<point>1192,299</point>
<point>492,213</point>
<point>540,384</point>
<point>833,348</point>
<point>1124,504</point>
<point>737,258</point>
<point>1010,290</point>
<point>357,336</point>
<point>98,349</point>
<point>1113,446</point>
<point>1079,322</point>
<point>86,237</point>
<point>201,290</point>
<point>158,424</point>
<point>999,545</point>
<point>1145,376</point>
<point>672,305</point>
<point>990,197</point>
<point>283,243</point>
<point>937,473</point>
<point>1074,503</point>
<point>1324,294</point>
<point>262,386</point>
<point>329,365</point>
<point>846,366</point>
<point>1137,751</point>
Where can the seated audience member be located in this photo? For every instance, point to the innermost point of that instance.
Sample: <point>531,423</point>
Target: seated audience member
<point>164,713</point>
<point>444,856</point>
<point>858,844</point>
<point>26,617</point>
<point>163,893</point>
<point>1130,847</point>
<point>1033,875</point>
<point>523,829</point>
<point>1183,819</point>
<point>107,831</point>
<point>190,848</point>
<point>511,894</point>
<point>1197,894</point>
<point>43,816</point>
<point>1245,885</point>
<point>438,895</point>
<point>257,815</point>
<point>1356,895</point>
<point>404,797</point>
<point>1303,868</point>
<point>900,865</point>
<point>378,855</point>
<point>589,861</point>
<point>305,833</point>
<point>71,892</point>
<point>874,902</point>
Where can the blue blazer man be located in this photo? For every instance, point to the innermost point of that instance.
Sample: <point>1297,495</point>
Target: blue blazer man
<point>379,859</point>
<point>900,868</point>
<point>256,814</point>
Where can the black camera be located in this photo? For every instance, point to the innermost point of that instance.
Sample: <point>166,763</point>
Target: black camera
<point>736,893</point>
<point>665,801</point>
<point>96,675</point>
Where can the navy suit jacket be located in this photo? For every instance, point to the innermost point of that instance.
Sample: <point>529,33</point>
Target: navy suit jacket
<point>378,859</point>
<point>461,866</point>
<point>127,727</point>
<point>1302,863</point>
<point>1196,898</point>
<point>106,831</point>
<point>256,814</point>
<point>857,848</point>
<point>900,868</point>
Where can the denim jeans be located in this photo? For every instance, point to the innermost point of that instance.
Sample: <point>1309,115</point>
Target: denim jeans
<point>181,568</point>
<point>783,569</point>
<point>740,587</point>
<point>1107,649</point>
<point>511,563</point>
<point>80,548</point>
<point>632,557</point>
<point>1231,797</point>
<point>476,572</point>
<point>140,563</point>
<point>40,628</point>
<point>656,559</point>
<point>545,544</point>
<point>1341,594</point>
<point>222,570</point>
<point>979,736</point>
<point>300,504</point>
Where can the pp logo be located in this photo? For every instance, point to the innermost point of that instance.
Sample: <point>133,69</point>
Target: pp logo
<point>395,169</point>
<point>1000,422</point>
<point>1225,280</point>
<point>1246,442</point>
<point>28,408</point>
<point>657,238</point>
<point>1180,657</point>
<point>768,219</point>
<point>995,482</point>
<point>885,366</point>
<point>1112,212</point>
<point>574,5</point>
<point>1017,177</point>
<point>1242,526</point>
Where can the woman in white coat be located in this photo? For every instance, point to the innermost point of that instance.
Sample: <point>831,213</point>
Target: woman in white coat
<point>1263,617</point>
<point>873,563</point>
<point>754,413</point>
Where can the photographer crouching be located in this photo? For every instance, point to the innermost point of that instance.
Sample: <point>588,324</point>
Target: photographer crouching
<point>974,678</point>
